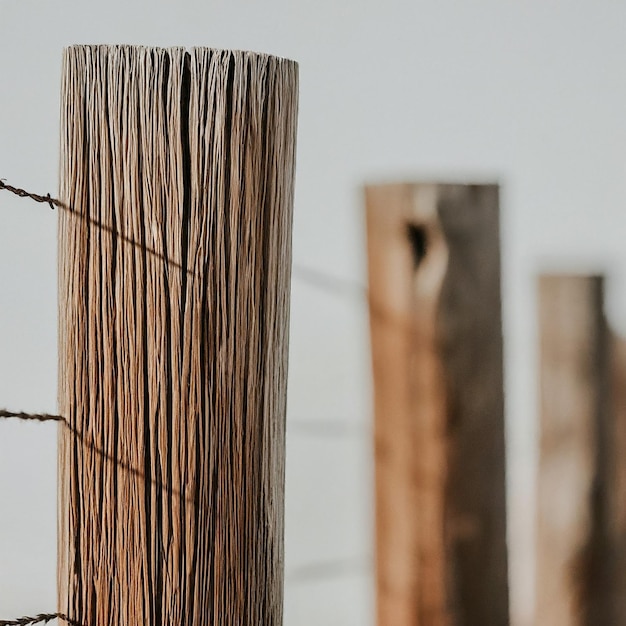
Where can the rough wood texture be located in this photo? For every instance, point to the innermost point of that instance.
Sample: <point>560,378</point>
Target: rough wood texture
<point>581,521</point>
<point>175,259</point>
<point>616,444</point>
<point>434,276</point>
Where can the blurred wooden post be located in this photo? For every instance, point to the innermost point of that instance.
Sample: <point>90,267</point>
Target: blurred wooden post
<point>434,279</point>
<point>617,480</point>
<point>177,172</point>
<point>581,517</point>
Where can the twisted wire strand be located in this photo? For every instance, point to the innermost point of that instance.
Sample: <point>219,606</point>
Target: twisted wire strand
<point>42,618</point>
<point>325,570</point>
<point>22,193</point>
<point>37,417</point>
<point>305,274</point>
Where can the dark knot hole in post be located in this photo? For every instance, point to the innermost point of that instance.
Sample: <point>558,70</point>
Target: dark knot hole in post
<point>419,243</point>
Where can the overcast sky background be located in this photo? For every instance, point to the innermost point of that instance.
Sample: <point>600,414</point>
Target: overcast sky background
<point>529,94</point>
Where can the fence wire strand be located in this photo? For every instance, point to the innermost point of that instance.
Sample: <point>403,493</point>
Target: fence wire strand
<point>37,417</point>
<point>42,618</point>
<point>22,193</point>
<point>324,428</point>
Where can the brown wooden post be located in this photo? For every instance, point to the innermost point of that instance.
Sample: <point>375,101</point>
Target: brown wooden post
<point>175,256</point>
<point>617,480</point>
<point>577,556</point>
<point>434,277</point>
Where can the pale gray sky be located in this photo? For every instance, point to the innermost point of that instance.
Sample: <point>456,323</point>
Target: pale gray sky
<point>531,94</point>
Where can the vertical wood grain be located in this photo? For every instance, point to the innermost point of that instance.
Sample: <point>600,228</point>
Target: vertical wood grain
<point>174,271</point>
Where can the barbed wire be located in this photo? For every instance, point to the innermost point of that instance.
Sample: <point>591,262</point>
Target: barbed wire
<point>38,417</point>
<point>327,282</point>
<point>22,193</point>
<point>305,274</point>
<point>324,428</point>
<point>310,276</point>
<point>336,428</point>
<point>42,618</point>
<point>314,427</point>
<point>323,570</point>
<point>330,284</point>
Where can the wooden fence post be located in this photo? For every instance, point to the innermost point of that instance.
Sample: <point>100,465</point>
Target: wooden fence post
<point>581,517</point>
<point>434,279</point>
<point>617,480</point>
<point>175,257</point>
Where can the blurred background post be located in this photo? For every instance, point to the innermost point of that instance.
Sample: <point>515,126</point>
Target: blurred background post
<point>434,276</point>
<point>580,493</point>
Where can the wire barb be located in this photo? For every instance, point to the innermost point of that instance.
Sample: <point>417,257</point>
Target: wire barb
<point>22,193</point>
<point>331,284</point>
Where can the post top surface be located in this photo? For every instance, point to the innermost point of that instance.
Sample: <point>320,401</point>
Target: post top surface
<point>116,48</point>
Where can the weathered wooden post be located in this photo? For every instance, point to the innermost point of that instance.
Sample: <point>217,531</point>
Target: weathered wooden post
<point>581,519</point>
<point>617,480</point>
<point>434,278</point>
<point>175,254</point>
